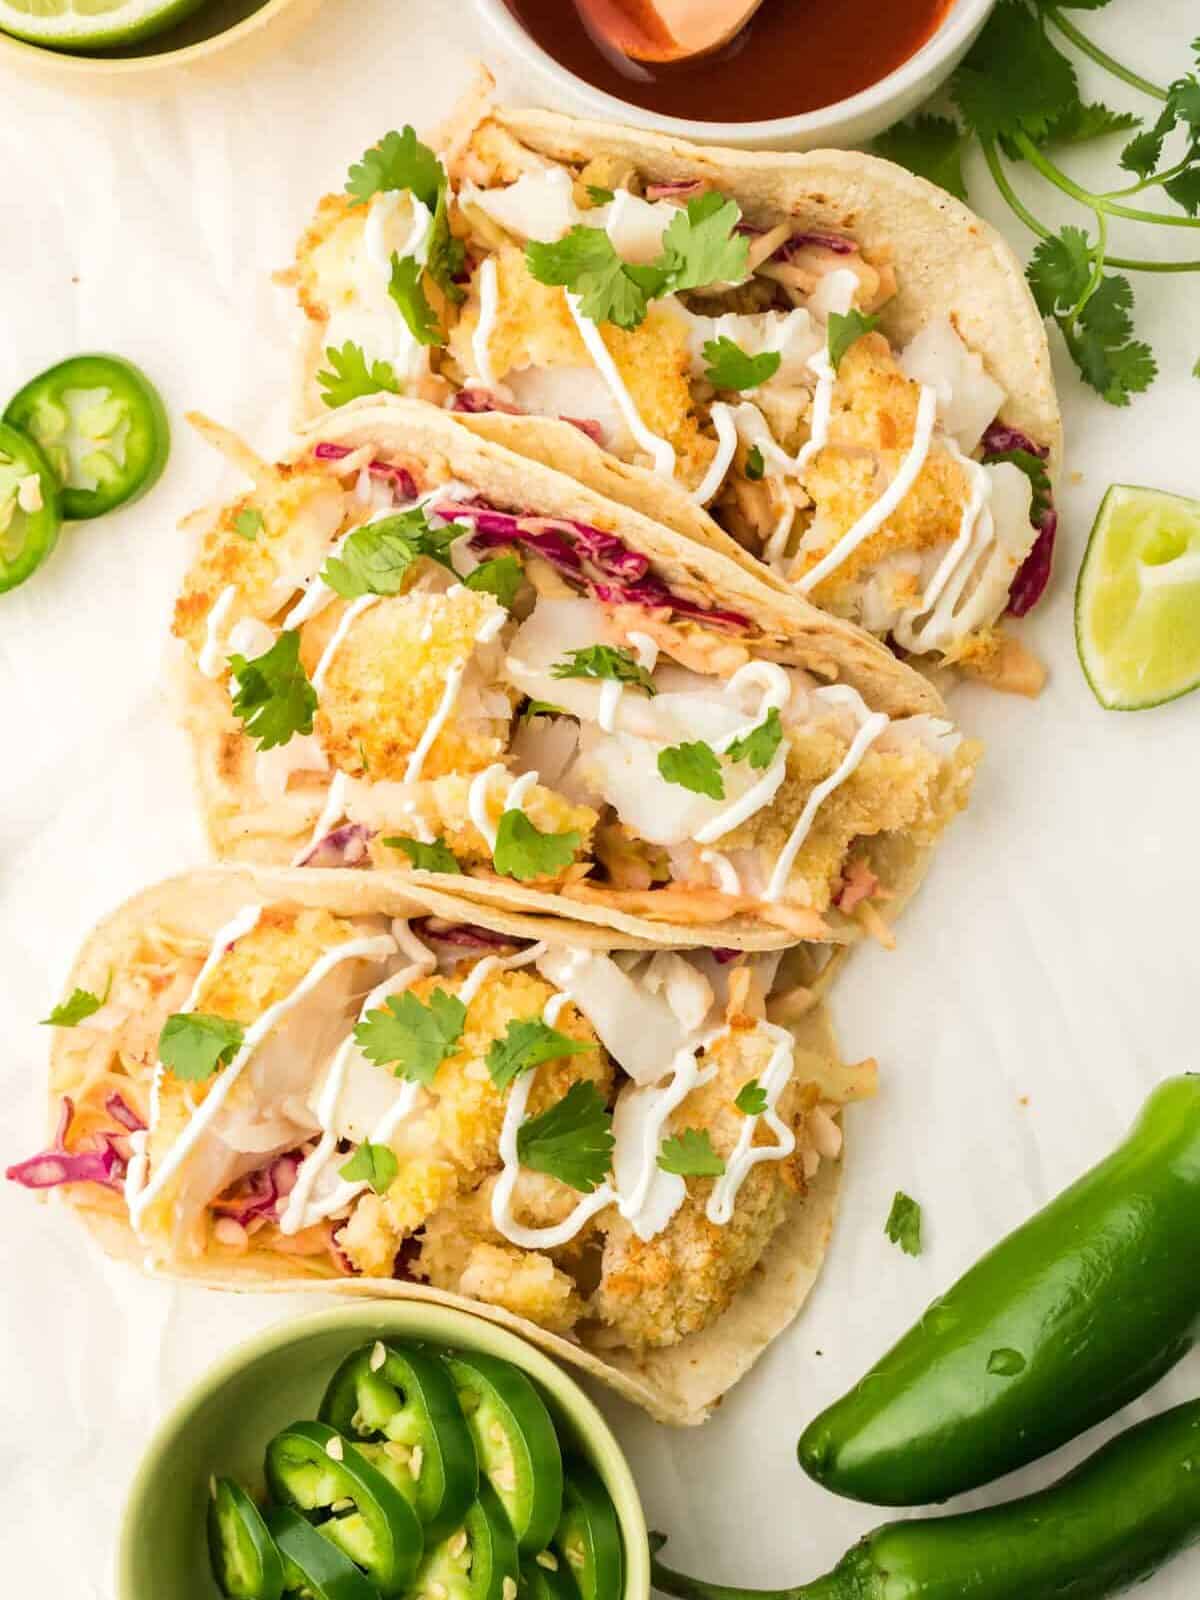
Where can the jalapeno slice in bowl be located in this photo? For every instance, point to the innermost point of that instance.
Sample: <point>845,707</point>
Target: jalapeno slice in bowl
<point>588,1537</point>
<point>245,1562</point>
<point>515,1441</point>
<point>30,507</point>
<point>101,425</point>
<point>477,1562</point>
<point>311,1565</point>
<point>404,1401</point>
<point>311,1467</point>
<point>539,1580</point>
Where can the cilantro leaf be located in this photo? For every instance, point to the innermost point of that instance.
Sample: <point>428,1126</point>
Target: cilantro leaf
<point>376,557</point>
<point>542,708</point>
<point>931,147</point>
<point>1081,121</point>
<point>1183,102</point>
<point>445,255</point>
<point>691,1155</point>
<point>398,161</point>
<point>248,524</point>
<point>350,375</point>
<point>435,857</point>
<point>1107,310</point>
<point>1034,469</point>
<point>274,698</point>
<point>409,296</point>
<point>502,577</point>
<point>751,1099</point>
<point>1013,80</point>
<point>586,263</point>
<point>903,1226</point>
<point>1115,372</point>
<point>693,766</point>
<point>1060,269</point>
<point>755,465</point>
<point>599,196</point>
<point>372,1164</point>
<point>69,1013</point>
<point>604,661</point>
<point>1141,155</point>
<point>844,330</point>
<point>729,367</point>
<point>572,1141</point>
<point>1185,190</point>
<point>700,245</point>
<point>193,1044</point>
<point>523,851</point>
<point>411,1038</point>
<point>758,747</point>
<point>527,1043</point>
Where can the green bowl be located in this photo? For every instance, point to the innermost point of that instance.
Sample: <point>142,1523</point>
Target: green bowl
<point>223,1424</point>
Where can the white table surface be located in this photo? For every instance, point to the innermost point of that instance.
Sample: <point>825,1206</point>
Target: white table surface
<point>1046,977</point>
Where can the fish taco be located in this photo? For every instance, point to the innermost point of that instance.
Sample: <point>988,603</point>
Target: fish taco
<point>818,363</point>
<point>283,1079</point>
<point>410,649</point>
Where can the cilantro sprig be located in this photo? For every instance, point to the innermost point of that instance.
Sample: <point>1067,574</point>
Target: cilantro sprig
<point>527,1042</point>
<point>572,1141</point>
<point>693,765</point>
<point>350,375</point>
<point>730,367</point>
<point>376,558</point>
<point>699,247</point>
<point>373,1164</point>
<point>193,1044</point>
<point>435,857</point>
<point>691,1155</point>
<point>604,661</point>
<point>758,747</point>
<point>76,1008</point>
<point>1017,94</point>
<point>502,577</point>
<point>273,698</point>
<point>523,851</point>
<point>903,1226</point>
<point>411,1038</point>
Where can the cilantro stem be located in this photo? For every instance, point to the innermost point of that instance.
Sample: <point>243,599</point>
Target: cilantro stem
<point>991,156</point>
<point>1094,202</point>
<point>1132,264</point>
<point>1153,181</point>
<point>1102,57</point>
<point>1097,272</point>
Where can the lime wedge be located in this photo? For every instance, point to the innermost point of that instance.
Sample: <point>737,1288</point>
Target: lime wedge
<point>89,24</point>
<point>1137,602</point>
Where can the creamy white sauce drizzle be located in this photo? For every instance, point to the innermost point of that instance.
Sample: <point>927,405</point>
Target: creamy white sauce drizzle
<point>776,688</point>
<point>514,800</point>
<point>870,730</point>
<point>776,545</point>
<point>345,622</point>
<point>874,517</point>
<point>938,601</point>
<point>211,659</point>
<point>724,871</point>
<point>371,948</point>
<point>746,1154</point>
<point>645,650</point>
<point>436,723</point>
<point>727,438</point>
<point>332,812</point>
<point>489,306</point>
<point>660,450</point>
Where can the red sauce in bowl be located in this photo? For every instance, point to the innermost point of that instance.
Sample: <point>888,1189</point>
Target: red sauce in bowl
<point>793,56</point>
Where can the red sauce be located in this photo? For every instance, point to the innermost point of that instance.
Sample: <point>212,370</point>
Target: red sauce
<point>793,55</point>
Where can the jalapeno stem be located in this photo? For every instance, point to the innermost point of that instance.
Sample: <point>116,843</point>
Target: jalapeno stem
<point>678,1583</point>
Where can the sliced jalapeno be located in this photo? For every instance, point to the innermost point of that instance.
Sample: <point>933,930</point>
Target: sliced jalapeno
<point>477,1562</point>
<point>546,1577</point>
<point>406,1399</point>
<point>245,1562</point>
<point>313,1567</point>
<point>588,1537</point>
<point>102,427</point>
<point>310,1466</point>
<point>30,509</point>
<point>515,1441</point>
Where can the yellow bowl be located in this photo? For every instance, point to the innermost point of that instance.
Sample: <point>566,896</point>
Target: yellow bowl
<point>222,35</point>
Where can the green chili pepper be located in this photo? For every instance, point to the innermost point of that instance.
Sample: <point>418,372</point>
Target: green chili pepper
<point>541,1581</point>
<point>1072,1316</point>
<point>407,1399</point>
<point>515,1442</point>
<point>310,1466</point>
<point>477,1562</point>
<point>30,509</point>
<point>312,1567</point>
<point>1106,1526</point>
<point>245,1562</point>
<point>588,1537</point>
<point>102,426</point>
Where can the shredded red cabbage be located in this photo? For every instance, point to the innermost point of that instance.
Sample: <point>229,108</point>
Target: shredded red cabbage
<point>586,425</point>
<point>344,847</point>
<point>1029,585</point>
<point>121,1111</point>
<point>586,556</point>
<point>723,957</point>
<point>400,478</point>
<point>473,401</point>
<point>105,1163</point>
<point>263,1191</point>
<point>466,934</point>
<point>833,242</point>
<point>680,189</point>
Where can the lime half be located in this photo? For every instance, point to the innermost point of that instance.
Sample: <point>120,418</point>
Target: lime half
<point>90,24</point>
<point>1137,602</point>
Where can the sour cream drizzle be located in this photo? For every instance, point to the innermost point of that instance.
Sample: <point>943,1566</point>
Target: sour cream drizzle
<point>727,438</point>
<point>514,800</point>
<point>345,622</point>
<point>645,651</point>
<point>211,660</point>
<point>660,450</point>
<point>139,1197</point>
<point>489,306</point>
<point>746,1154</point>
<point>877,514</point>
<point>300,1212</point>
<point>776,688</point>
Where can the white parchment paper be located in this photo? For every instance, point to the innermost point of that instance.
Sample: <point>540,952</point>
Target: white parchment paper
<point>1046,978</point>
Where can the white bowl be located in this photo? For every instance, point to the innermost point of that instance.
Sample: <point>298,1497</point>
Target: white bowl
<point>846,122</point>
